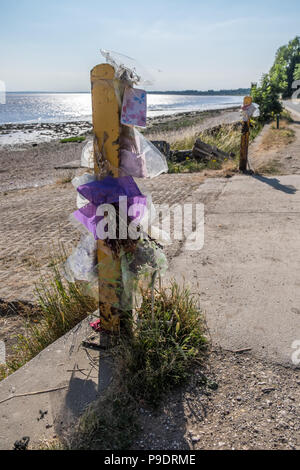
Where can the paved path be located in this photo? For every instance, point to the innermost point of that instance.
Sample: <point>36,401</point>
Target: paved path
<point>293,106</point>
<point>248,273</point>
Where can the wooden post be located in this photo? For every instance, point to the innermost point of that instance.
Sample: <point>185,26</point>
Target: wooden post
<point>106,122</point>
<point>278,121</point>
<point>245,138</point>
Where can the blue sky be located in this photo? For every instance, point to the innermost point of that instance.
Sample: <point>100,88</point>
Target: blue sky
<point>189,44</point>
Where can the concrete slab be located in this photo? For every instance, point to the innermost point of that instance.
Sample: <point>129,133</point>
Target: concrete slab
<point>69,377</point>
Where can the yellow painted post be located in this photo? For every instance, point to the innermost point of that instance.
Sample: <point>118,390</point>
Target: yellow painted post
<point>245,138</point>
<point>106,122</point>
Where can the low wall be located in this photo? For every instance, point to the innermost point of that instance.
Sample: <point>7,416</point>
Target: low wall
<point>46,396</point>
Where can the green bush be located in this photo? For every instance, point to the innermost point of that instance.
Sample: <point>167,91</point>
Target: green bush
<point>285,67</point>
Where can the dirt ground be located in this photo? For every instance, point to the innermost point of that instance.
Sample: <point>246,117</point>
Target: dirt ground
<point>277,152</point>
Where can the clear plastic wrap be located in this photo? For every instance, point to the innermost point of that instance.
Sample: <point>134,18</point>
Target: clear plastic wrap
<point>250,111</point>
<point>139,157</point>
<point>82,264</point>
<point>79,181</point>
<point>141,268</point>
<point>256,112</point>
<point>132,164</point>
<point>147,224</point>
<point>161,236</point>
<point>128,69</point>
<point>156,162</point>
<point>87,156</point>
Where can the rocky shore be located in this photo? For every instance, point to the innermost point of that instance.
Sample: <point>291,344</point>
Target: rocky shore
<point>15,134</point>
<point>19,134</point>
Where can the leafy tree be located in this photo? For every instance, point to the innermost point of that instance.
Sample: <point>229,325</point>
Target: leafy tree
<point>286,63</point>
<point>278,76</point>
<point>297,72</point>
<point>279,81</point>
<point>267,97</point>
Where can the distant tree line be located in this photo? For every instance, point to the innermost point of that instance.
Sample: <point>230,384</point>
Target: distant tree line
<point>235,92</point>
<point>279,81</point>
<point>297,72</point>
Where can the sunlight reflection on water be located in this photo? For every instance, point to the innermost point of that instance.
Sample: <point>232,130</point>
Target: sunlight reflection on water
<point>63,107</point>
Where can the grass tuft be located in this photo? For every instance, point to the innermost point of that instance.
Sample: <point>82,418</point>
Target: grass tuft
<point>77,139</point>
<point>226,137</point>
<point>111,423</point>
<point>65,180</point>
<point>166,344</point>
<point>62,305</point>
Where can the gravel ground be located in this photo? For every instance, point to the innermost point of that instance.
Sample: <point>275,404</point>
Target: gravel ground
<point>248,404</point>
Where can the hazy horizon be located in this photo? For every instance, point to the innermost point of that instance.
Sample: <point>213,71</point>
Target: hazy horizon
<point>148,91</point>
<point>191,45</point>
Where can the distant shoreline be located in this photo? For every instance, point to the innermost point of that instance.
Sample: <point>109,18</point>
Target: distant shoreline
<point>234,92</point>
<point>237,92</point>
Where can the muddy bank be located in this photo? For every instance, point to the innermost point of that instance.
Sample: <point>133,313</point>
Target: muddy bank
<point>29,167</point>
